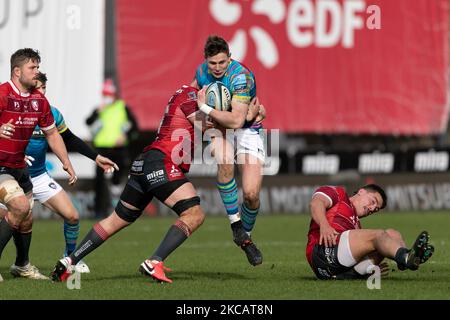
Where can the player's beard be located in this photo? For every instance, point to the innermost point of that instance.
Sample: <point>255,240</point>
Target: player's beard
<point>29,85</point>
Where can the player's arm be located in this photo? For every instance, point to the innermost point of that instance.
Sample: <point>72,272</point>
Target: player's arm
<point>253,109</point>
<point>59,148</point>
<point>194,83</point>
<point>318,207</point>
<point>231,120</point>
<point>75,143</point>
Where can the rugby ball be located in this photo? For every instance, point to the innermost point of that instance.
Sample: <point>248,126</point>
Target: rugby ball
<point>218,96</point>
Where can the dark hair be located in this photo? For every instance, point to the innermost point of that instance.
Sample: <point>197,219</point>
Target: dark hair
<point>376,188</point>
<point>42,77</point>
<point>215,45</point>
<point>22,56</point>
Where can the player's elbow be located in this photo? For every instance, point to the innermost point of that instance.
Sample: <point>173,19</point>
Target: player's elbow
<point>238,123</point>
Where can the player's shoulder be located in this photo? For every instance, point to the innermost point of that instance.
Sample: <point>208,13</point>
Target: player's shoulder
<point>186,93</point>
<point>5,88</point>
<point>57,114</point>
<point>334,193</point>
<point>202,70</point>
<point>237,67</point>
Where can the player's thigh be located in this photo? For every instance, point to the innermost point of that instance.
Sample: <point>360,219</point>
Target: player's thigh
<point>61,204</point>
<point>223,150</point>
<point>148,171</point>
<point>9,188</point>
<point>183,192</point>
<point>251,173</point>
<point>361,242</point>
<point>45,187</point>
<point>12,195</point>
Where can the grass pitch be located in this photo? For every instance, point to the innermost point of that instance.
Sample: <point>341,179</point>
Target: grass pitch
<point>209,265</point>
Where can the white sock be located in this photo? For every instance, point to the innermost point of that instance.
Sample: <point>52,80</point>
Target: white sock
<point>364,266</point>
<point>234,217</point>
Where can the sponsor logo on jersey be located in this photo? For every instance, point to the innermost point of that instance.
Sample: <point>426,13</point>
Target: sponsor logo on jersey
<point>240,82</point>
<point>29,120</point>
<point>38,134</point>
<point>16,105</point>
<point>174,172</point>
<point>35,105</point>
<point>192,95</point>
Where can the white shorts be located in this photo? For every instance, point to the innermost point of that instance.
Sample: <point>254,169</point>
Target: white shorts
<point>44,187</point>
<point>344,254</point>
<point>249,141</point>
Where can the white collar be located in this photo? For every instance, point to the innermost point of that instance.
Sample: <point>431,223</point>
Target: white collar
<point>16,90</point>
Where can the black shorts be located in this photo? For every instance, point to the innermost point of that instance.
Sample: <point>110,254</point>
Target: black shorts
<point>325,262</point>
<point>21,175</point>
<point>152,174</point>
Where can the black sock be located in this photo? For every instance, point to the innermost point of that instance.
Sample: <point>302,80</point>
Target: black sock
<point>22,241</point>
<point>95,237</point>
<point>176,235</point>
<point>6,232</point>
<point>400,258</point>
<point>237,225</point>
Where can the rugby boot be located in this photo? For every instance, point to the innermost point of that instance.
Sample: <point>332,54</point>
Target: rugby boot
<point>154,269</point>
<point>420,252</point>
<point>63,269</point>
<point>243,240</point>
<point>28,271</point>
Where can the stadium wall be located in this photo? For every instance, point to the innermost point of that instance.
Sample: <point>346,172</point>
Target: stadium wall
<point>290,194</point>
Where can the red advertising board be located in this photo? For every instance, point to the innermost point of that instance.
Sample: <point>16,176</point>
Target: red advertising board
<point>322,66</point>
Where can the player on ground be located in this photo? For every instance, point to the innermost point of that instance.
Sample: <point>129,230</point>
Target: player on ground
<point>22,107</point>
<point>158,172</point>
<point>46,190</point>
<point>246,115</point>
<point>337,246</point>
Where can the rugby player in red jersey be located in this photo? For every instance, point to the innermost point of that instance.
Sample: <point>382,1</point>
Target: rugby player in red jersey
<point>157,172</point>
<point>22,107</point>
<point>337,246</point>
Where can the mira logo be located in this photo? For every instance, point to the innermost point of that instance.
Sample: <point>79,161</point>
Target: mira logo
<point>155,174</point>
<point>320,23</point>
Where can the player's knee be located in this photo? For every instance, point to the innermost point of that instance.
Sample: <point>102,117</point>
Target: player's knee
<point>198,216</point>
<point>193,217</point>
<point>72,217</point>
<point>393,233</point>
<point>251,199</point>
<point>126,213</point>
<point>27,224</point>
<point>19,207</point>
<point>181,206</point>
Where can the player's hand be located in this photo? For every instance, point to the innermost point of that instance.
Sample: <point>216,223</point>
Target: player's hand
<point>7,130</point>
<point>253,109</point>
<point>261,115</point>
<point>209,123</point>
<point>72,177</point>
<point>106,164</point>
<point>29,160</point>
<point>327,235</point>
<point>201,96</point>
<point>384,269</point>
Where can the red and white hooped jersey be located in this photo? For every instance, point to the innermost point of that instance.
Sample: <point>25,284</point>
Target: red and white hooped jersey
<point>26,111</point>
